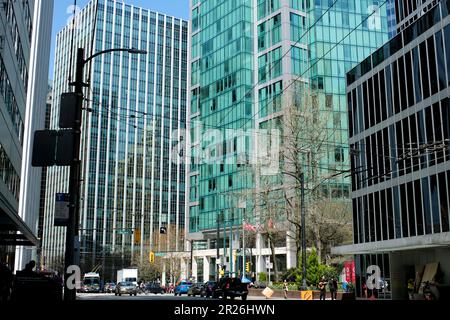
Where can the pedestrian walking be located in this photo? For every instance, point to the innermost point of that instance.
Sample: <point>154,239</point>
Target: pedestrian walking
<point>333,286</point>
<point>6,280</point>
<point>323,288</point>
<point>285,288</point>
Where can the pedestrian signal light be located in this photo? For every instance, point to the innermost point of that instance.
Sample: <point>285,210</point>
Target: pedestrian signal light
<point>247,267</point>
<point>151,257</point>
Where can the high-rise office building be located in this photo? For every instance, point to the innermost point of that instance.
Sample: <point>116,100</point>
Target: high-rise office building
<point>247,58</point>
<point>399,113</point>
<point>25,34</point>
<point>132,182</point>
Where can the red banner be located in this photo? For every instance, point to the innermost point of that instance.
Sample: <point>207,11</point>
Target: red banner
<point>349,269</point>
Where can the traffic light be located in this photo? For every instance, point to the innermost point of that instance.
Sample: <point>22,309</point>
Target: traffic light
<point>247,266</point>
<point>151,257</point>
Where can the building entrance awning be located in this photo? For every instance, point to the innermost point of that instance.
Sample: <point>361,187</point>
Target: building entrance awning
<point>412,243</point>
<point>13,230</point>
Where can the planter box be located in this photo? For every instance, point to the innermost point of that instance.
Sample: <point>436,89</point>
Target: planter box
<point>294,294</point>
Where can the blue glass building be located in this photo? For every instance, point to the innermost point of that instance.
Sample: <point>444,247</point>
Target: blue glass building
<point>132,184</point>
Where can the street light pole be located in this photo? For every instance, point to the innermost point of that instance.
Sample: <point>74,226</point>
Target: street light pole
<point>74,184</point>
<point>303,213</point>
<point>72,251</point>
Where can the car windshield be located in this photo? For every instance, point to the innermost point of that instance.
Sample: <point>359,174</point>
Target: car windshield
<point>126,284</point>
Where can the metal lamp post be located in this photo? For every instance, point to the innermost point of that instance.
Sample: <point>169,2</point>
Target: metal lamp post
<point>71,257</point>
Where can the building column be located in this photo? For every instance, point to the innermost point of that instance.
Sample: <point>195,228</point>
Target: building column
<point>206,268</point>
<point>260,261</point>
<point>291,252</point>
<point>194,269</point>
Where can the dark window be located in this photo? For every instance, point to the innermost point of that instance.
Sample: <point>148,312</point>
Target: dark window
<point>411,209</point>
<point>435,203</point>
<point>432,65</point>
<point>379,154</point>
<point>378,212</point>
<point>409,79</point>
<point>430,137</point>
<point>446,122</point>
<point>426,205</point>
<point>403,200</point>
<point>406,146</point>
<point>422,137</point>
<point>438,131</point>
<point>386,154</point>
<point>371,105</point>
<point>366,220</point>
<point>424,70</point>
<point>399,146</point>
<point>361,220</point>
<point>376,88</point>
<point>444,203</point>
<point>402,83</point>
<point>366,106</point>
<point>360,110</point>
<point>414,141</point>
<point>372,218</point>
<point>389,91</point>
<point>382,96</point>
<point>440,56</point>
<point>447,49</point>
<point>395,91</point>
<point>416,72</point>
<point>355,221</point>
<point>390,213</point>
<point>397,212</point>
<point>419,212</point>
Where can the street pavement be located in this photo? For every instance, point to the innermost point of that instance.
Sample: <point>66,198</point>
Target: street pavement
<point>140,297</point>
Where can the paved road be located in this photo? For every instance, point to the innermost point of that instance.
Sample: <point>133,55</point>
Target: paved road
<point>111,296</point>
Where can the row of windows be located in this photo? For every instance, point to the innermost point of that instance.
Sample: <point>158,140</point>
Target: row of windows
<point>9,98</point>
<point>8,174</point>
<point>418,74</point>
<point>404,147</point>
<point>428,20</point>
<point>269,32</point>
<point>18,50</point>
<point>411,209</point>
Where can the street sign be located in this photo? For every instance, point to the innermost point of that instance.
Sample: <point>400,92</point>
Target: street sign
<point>125,231</point>
<point>269,265</point>
<point>61,210</point>
<point>160,254</point>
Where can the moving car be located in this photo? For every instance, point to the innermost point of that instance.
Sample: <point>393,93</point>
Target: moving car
<point>197,289</point>
<point>154,288</point>
<point>231,287</point>
<point>91,283</point>
<point>126,288</point>
<point>182,288</point>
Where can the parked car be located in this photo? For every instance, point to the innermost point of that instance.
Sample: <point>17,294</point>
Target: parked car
<point>126,288</point>
<point>182,288</point>
<point>231,287</point>
<point>154,288</point>
<point>197,289</point>
<point>110,287</point>
<point>210,287</point>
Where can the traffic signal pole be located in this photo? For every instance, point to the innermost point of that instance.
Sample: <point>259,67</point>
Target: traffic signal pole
<point>243,248</point>
<point>71,255</point>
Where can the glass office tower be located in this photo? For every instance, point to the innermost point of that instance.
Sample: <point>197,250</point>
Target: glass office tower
<point>132,184</point>
<point>245,54</point>
<point>399,110</point>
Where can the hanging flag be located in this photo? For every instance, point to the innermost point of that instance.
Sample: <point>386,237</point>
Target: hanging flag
<point>249,227</point>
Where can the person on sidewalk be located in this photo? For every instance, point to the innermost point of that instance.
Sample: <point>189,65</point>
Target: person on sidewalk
<point>323,288</point>
<point>285,288</point>
<point>333,286</point>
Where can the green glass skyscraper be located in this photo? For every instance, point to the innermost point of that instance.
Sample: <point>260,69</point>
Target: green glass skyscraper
<point>245,54</point>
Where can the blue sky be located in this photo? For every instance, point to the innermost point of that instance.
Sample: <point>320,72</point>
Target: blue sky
<point>62,13</point>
